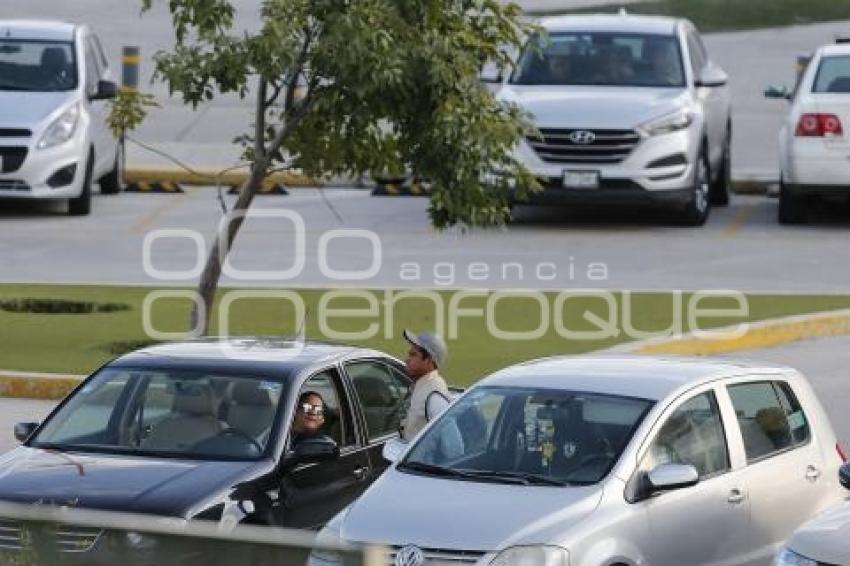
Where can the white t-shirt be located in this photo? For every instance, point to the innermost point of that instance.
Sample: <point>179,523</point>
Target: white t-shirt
<point>429,398</point>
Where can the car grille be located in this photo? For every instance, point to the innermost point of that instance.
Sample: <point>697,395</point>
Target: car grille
<point>13,158</point>
<point>441,557</point>
<point>15,133</point>
<point>607,146</point>
<point>70,539</point>
<point>13,185</point>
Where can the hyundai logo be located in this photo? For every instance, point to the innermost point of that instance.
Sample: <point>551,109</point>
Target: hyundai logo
<point>583,137</point>
<point>410,555</point>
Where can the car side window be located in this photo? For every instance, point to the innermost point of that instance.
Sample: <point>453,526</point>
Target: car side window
<point>92,69</point>
<point>98,50</point>
<point>693,435</point>
<point>769,416</point>
<point>696,52</point>
<point>382,392</point>
<point>339,423</point>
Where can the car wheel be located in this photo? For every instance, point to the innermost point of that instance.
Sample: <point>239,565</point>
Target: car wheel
<point>722,186</point>
<point>699,205</point>
<point>81,205</point>
<point>792,208</point>
<point>113,182</point>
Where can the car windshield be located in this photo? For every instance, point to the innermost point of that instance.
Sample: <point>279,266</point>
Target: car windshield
<point>601,58</point>
<point>30,65</point>
<point>528,436</point>
<point>833,75</point>
<point>189,414</point>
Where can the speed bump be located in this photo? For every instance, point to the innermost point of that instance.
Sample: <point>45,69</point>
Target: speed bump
<point>411,189</point>
<point>155,187</point>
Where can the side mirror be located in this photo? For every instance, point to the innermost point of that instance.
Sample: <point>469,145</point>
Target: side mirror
<point>105,90</point>
<point>393,449</point>
<point>844,475</point>
<point>24,431</point>
<point>312,451</point>
<point>668,477</point>
<point>491,74</point>
<point>777,91</point>
<point>711,76</point>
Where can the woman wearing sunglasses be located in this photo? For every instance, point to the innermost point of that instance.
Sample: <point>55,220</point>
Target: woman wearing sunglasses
<point>309,417</point>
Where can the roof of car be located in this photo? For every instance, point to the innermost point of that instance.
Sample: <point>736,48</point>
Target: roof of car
<point>836,49</point>
<point>648,377</point>
<point>244,354</point>
<point>37,29</point>
<point>611,22</point>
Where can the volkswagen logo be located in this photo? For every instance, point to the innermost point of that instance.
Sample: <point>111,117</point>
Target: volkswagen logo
<point>583,137</point>
<point>410,555</point>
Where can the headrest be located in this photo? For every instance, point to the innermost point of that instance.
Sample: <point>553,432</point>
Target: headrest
<point>193,400</point>
<point>249,392</point>
<point>54,58</point>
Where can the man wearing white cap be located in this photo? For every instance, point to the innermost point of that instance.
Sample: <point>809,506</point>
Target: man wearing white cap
<point>430,394</point>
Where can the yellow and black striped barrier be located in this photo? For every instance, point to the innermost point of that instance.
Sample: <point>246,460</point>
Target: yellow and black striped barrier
<point>415,188</point>
<point>154,187</point>
<point>267,187</point>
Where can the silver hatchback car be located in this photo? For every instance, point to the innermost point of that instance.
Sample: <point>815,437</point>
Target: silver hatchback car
<point>604,461</point>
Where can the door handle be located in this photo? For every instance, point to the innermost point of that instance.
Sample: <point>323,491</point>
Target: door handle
<point>360,473</point>
<point>736,497</point>
<point>812,473</point>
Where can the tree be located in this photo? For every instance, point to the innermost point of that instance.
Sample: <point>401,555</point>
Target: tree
<point>356,86</point>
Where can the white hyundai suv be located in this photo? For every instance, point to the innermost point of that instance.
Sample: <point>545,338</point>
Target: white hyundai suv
<point>54,138</point>
<point>628,109</point>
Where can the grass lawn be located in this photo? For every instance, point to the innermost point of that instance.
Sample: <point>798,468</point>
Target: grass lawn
<point>78,343</point>
<point>729,15</point>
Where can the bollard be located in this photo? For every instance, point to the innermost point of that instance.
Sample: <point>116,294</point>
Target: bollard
<point>130,59</point>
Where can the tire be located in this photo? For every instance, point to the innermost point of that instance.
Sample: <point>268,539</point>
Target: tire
<point>113,182</point>
<point>793,208</point>
<point>699,206</point>
<point>81,205</point>
<point>721,188</point>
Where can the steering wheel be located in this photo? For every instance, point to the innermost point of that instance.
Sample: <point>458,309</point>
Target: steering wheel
<point>230,431</point>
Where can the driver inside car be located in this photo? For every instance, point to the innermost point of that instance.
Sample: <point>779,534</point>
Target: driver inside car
<point>309,418</point>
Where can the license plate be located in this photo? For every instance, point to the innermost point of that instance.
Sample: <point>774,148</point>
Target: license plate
<point>581,179</point>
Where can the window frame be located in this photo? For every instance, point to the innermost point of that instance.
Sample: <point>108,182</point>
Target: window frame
<point>773,383</point>
<point>391,366</point>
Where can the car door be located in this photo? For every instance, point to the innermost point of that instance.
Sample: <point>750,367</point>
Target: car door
<point>101,137</point>
<point>784,463</point>
<point>381,390</point>
<point>311,494</point>
<point>714,100</point>
<point>708,522</point>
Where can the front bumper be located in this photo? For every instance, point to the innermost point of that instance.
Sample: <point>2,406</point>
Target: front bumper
<point>610,191</point>
<point>30,179</point>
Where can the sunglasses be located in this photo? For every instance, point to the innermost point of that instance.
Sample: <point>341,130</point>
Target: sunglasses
<point>312,410</point>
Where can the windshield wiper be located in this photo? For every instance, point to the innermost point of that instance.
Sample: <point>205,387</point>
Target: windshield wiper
<point>443,471</point>
<point>12,87</point>
<point>523,477</point>
<point>431,469</point>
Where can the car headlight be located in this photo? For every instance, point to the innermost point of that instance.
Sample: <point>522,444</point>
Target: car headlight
<point>62,128</point>
<point>679,120</point>
<point>790,558</point>
<point>537,555</point>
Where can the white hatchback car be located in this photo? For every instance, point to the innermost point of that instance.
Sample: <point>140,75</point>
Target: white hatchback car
<point>629,109</point>
<point>606,461</point>
<point>54,139</point>
<point>814,143</point>
<point>823,541</point>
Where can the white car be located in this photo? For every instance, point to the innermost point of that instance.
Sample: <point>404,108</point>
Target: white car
<point>823,541</point>
<point>606,461</point>
<point>54,139</point>
<point>814,146</point>
<point>629,109</point>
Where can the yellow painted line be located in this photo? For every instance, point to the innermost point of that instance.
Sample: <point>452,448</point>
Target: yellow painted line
<point>208,177</point>
<point>739,220</point>
<point>756,337</point>
<point>147,221</point>
<point>28,387</point>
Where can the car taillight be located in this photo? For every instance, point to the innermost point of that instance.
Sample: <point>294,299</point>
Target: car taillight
<point>841,452</point>
<point>819,125</point>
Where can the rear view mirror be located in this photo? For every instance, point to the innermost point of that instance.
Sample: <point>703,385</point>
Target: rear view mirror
<point>393,449</point>
<point>667,477</point>
<point>105,90</point>
<point>24,430</point>
<point>712,76</point>
<point>312,451</point>
<point>777,92</point>
<point>844,475</point>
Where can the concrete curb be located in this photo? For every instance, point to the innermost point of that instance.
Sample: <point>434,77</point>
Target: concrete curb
<point>211,177</point>
<point>754,336</point>
<point>28,385</point>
